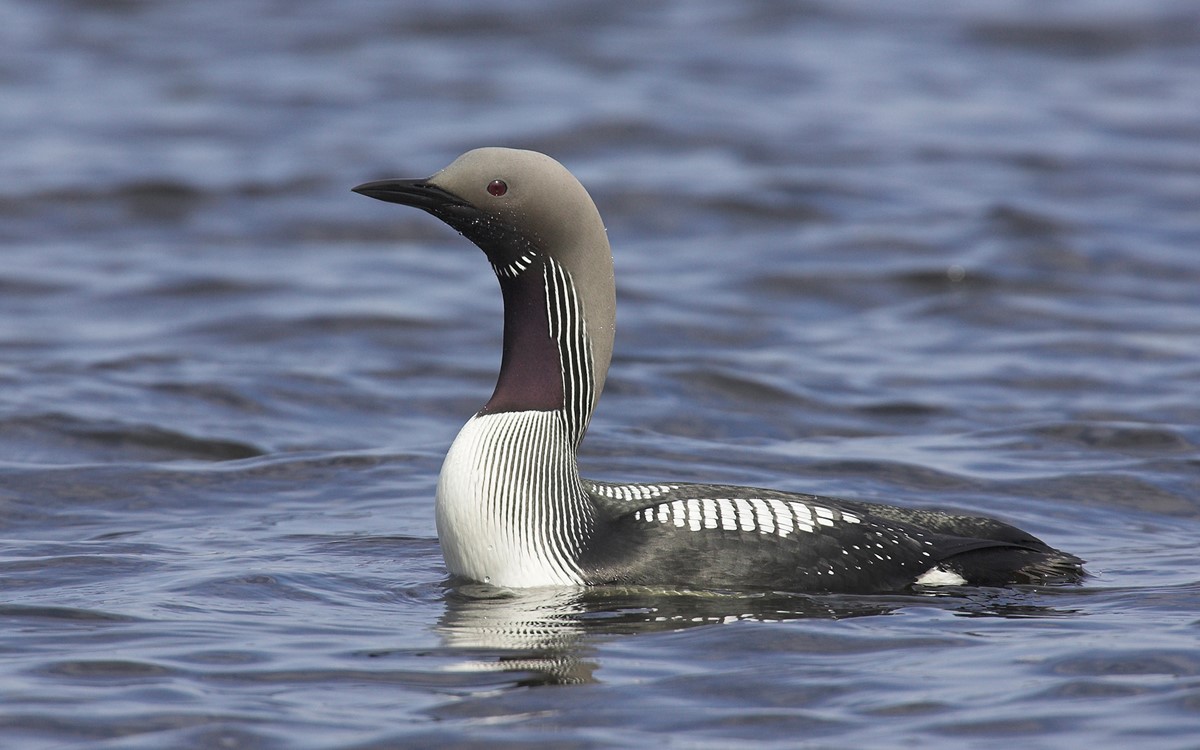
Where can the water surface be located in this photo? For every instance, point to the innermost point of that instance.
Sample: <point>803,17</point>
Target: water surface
<point>933,255</point>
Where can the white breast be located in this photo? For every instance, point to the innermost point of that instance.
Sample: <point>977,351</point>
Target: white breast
<point>511,510</point>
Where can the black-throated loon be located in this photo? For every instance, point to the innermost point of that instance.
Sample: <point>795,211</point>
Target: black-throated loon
<point>512,509</point>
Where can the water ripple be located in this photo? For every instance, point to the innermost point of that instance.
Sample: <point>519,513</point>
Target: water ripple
<point>918,253</point>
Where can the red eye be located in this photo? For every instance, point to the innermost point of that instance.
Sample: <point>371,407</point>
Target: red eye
<point>497,187</point>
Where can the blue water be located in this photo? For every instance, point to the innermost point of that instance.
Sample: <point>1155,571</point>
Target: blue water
<point>936,254</point>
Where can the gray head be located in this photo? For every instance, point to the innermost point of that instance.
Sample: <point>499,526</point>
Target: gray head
<point>520,207</point>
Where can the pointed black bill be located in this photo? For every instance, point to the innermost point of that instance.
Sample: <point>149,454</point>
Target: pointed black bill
<point>474,224</point>
<point>417,193</point>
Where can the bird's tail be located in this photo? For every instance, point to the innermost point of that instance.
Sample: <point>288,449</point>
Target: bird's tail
<point>1004,565</point>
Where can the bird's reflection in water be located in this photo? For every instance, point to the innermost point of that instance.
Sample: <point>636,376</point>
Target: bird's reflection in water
<point>538,631</point>
<point>549,633</point>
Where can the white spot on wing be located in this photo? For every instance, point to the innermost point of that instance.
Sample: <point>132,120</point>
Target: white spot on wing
<point>727,514</point>
<point>783,517</point>
<point>763,515</point>
<point>745,514</point>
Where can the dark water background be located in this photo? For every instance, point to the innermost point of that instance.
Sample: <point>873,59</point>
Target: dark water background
<point>931,253</point>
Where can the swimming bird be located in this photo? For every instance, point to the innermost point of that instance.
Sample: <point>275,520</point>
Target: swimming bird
<point>512,509</point>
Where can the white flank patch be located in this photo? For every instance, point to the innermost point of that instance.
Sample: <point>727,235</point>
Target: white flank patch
<point>940,577</point>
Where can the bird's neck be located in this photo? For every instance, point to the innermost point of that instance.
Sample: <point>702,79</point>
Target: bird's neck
<point>551,362</point>
<point>530,368</point>
<point>511,507</point>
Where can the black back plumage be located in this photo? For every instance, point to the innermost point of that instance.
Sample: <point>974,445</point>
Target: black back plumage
<point>708,535</point>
